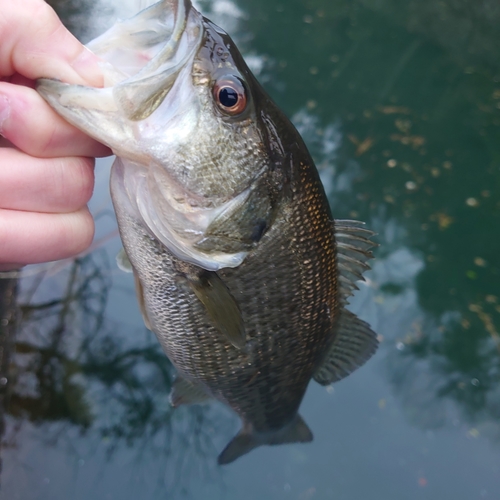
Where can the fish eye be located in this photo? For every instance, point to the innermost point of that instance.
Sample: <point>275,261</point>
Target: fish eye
<point>230,95</point>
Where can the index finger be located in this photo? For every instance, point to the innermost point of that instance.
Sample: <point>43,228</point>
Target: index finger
<point>35,44</point>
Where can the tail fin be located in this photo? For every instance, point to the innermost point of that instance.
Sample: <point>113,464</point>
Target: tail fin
<point>247,439</point>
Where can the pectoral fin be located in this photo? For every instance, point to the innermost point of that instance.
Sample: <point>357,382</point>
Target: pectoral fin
<point>123,262</point>
<point>247,439</point>
<point>185,393</point>
<point>220,305</point>
<point>353,344</point>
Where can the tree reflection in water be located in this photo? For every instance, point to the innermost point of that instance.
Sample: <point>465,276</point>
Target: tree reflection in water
<point>74,371</point>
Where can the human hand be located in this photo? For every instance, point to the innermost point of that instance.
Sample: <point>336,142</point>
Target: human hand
<point>46,165</point>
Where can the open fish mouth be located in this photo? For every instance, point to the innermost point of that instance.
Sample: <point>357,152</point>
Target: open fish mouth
<point>142,58</point>
<point>146,53</point>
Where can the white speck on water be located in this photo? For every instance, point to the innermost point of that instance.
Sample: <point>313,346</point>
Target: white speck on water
<point>474,382</point>
<point>46,480</point>
<point>484,493</point>
<point>411,186</point>
<point>472,202</point>
<point>392,163</point>
<point>81,462</point>
<point>330,389</point>
<point>3,381</point>
<point>287,487</point>
<point>400,346</point>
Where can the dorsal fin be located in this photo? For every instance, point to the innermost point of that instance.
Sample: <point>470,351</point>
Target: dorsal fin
<point>353,252</point>
<point>353,341</point>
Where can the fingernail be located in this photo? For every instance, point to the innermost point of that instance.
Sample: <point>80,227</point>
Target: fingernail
<point>4,111</point>
<point>87,65</point>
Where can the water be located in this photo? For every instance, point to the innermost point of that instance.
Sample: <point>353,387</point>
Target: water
<point>400,105</point>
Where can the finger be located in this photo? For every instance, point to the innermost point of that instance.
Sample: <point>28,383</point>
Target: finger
<point>36,44</point>
<point>9,267</point>
<point>44,185</point>
<point>29,122</point>
<point>31,238</point>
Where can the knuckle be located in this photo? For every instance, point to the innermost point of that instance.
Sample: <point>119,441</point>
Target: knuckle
<point>72,182</point>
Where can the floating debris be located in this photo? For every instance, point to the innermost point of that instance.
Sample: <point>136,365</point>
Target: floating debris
<point>361,146</point>
<point>403,125</point>
<point>392,110</point>
<point>422,482</point>
<point>472,202</point>
<point>311,104</point>
<point>473,433</point>
<point>409,140</point>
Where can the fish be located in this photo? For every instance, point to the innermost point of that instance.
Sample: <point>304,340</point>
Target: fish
<point>240,269</point>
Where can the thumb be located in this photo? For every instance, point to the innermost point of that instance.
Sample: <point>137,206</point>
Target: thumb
<point>35,44</point>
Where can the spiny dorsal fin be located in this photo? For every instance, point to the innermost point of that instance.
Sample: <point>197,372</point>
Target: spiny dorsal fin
<point>353,344</point>
<point>185,392</point>
<point>353,253</point>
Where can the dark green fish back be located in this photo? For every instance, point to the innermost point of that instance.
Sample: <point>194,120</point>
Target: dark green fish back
<point>287,292</point>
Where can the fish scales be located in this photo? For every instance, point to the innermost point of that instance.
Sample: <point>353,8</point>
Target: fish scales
<point>288,310</point>
<point>224,221</point>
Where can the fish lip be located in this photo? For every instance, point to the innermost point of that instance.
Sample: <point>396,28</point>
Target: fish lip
<point>157,41</point>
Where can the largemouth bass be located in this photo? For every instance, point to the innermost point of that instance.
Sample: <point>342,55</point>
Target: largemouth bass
<point>240,269</point>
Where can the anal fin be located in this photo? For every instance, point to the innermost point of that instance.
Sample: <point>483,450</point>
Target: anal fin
<point>353,344</point>
<point>186,393</point>
<point>247,439</point>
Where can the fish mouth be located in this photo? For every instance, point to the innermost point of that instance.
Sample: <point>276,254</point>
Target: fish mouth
<point>155,46</point>
<point>142,59</point>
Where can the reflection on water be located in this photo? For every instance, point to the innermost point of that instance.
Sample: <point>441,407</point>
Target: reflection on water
<point>400,104</point>
<point>72,375</point>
